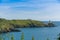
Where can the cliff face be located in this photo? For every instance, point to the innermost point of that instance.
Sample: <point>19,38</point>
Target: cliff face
<point>10,25</point>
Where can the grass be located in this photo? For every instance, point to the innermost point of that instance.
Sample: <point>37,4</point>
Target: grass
<point>7,25</point>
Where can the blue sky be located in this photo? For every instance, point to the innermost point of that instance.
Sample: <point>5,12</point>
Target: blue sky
<point>30,9</point>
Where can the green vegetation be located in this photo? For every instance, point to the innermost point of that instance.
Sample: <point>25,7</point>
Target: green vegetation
<point>26,23</point>
<point>12,38</point>
<point>58,37</point>
<point>22,36</point>
<point>32,37</point>
<point>47,38</point>
<point>1,38</point>
<point>10,25</point>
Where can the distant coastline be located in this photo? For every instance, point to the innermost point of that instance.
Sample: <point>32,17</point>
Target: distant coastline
<point>10,25</point>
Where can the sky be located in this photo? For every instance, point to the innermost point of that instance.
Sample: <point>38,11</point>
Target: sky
<point>43,10</point>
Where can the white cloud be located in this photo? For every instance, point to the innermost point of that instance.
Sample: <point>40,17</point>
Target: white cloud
<point>49,10</point>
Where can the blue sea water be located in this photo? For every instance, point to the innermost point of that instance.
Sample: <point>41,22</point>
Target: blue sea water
<point>39,33</point>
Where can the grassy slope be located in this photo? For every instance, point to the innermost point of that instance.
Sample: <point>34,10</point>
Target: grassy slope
<point>6,25</point>
<point>27,23</point>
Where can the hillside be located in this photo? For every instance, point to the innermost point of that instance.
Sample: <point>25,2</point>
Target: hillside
<point>10,25</point>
